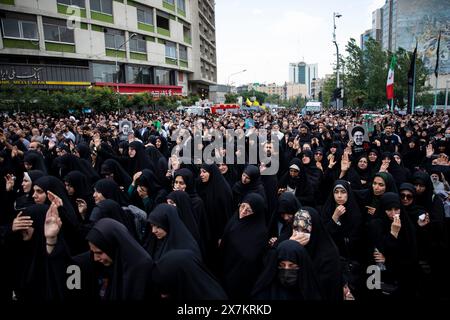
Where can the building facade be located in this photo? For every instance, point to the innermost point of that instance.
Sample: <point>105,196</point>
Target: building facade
<point>130,46</point>
<point>406,21</point>
<point>365,37</point>
<point>303,73</point>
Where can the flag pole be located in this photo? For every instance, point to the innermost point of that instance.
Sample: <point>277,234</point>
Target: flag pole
<point>392,105</point>
<point>435,96</point>
<point>414,85</point>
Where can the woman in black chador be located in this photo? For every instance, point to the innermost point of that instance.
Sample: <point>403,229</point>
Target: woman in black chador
<point>288,275</point>
<point>168,232</point>
<point>180,275</point>
<point>242,247</point>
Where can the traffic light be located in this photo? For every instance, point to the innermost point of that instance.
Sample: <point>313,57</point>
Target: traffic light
<point>338,93</point>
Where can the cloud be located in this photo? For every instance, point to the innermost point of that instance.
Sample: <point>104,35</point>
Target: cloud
<point>257,12</point>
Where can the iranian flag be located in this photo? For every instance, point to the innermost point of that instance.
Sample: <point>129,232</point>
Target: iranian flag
<point>390,79</point>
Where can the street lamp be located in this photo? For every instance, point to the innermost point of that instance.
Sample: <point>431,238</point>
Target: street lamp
<point>233,74</point>
<point>336,15</point>
<point>117,66</point>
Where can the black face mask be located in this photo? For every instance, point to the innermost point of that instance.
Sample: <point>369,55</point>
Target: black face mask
<point>287,277</point>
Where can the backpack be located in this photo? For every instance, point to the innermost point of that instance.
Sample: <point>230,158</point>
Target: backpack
<point>139,220</point>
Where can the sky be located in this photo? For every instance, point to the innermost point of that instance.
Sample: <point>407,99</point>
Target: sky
<point>264,36</point>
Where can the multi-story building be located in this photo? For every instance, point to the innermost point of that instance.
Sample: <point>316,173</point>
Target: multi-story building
<point>303,73</point>
<point>406,21</point>
<point>159,46</point>
<point>364,37</point>
<point>377,17</point>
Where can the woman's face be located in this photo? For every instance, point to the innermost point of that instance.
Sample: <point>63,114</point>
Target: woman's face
<point>373,157</point>
<point>28,166</point>
<point>420,188</point>
<point>406,197</point>
<point>179,184</point>
<point>39,195</point>
<point>286,264</point>
<point>293,173</point>
<point>100,256</point>
<point>245,210</point>
<point>223,168</point>
<point>306,160</point>
<point>131,152</point>
<point>362,163</point>
<point>378,186</point>
<point>204,175</point>
<point>392,212</point>
<point>26,184</point>
<point>159,232</point>
<point>69,188</point>
<point>340,196</point>
<point>245,179</point>
<point>158,143</point>
<point>98,197</point>
<point>398,159</point>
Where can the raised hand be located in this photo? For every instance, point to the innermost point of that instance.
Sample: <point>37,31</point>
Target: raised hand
<point>9,182</point>
<point>396,226</point>
<point>52,223</point>
<point>54,199</point>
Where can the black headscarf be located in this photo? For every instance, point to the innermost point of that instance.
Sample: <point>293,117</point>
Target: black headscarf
<point>27,200</point>
<point>400,252</point>
<point>36,160</point>
<point>111,209</point>
<point>53,184</point>
<point>348,235</point>
<point>269,287</point>
<point>218,199</point>
<point>255,185</point>
<point>132,265</point>
<point>325,257</point>
<point>111,190</point>
<point>243,244</point>
<point>80,183</point>
<point>303,189</point>
<point>178,236</point>
<point>29,258</point>
<point>287,203</point>
<point>141,160</point>
<point>121,177</point>
<point>182,275</point>
<point>186,213</point>
<point>70,162</point>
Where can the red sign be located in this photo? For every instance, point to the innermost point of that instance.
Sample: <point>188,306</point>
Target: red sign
<point>153,89</point>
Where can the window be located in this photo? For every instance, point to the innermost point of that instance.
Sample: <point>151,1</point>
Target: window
<point>172,2</point>
<point>104,72</point>
<point>78,3</point>
<point>183,53</point>
<point>138,44</point>
<point>114,39</point>
<point>181,5</point>
<point>56,30</point>
<point>14,28</point>
<point>145,15</point>
<point>162,22</point>
<point>103,6</point>
<point>171,50</point>
<point>164,76</point>
<point>139,75</point>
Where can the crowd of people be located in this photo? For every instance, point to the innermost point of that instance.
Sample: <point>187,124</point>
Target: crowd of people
<point>117,196</point>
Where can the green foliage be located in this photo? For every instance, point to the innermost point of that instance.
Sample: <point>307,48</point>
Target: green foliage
<point>365,75</point>
<point>231,98</point>
<point>26,99</point>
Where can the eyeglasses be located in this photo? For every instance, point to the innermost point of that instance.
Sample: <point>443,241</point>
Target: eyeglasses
<point>406,196</point>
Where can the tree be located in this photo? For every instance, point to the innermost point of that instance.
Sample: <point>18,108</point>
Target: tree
<point>377,62</point>
<point>355,75</point>
<point>328,89</point>
<point>231,98</point>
